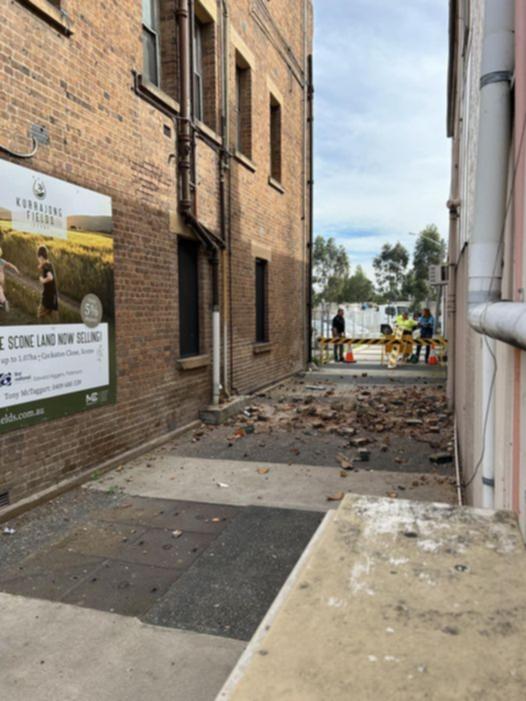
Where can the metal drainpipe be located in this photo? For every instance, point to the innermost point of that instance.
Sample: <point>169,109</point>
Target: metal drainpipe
<point>485,248</point>
<point>185,128</point>
<point>310,120</point>
<point>224,169</point>
<point>186,166</point>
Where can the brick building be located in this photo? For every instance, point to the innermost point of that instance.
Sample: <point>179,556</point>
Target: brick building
<point>193,116</point>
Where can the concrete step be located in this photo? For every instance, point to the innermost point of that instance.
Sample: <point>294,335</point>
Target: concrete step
<point>396,600</point>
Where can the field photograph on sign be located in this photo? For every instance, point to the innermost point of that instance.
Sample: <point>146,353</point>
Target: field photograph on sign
<point>57,314</point>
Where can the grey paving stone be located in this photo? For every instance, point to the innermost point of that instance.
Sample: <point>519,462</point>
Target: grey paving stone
<point>160,548</point>
<point>175,515</point>
<point>230,588</point>
<point>101,539</point>
<point>49,575</point>
<point>122,587</point>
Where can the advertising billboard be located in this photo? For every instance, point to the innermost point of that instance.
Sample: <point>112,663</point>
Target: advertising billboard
<point>57,312</point>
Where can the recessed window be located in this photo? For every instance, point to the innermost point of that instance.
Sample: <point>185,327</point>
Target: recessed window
<point>188,253</point>
<point>243,107</point>
<point>150,41</point>
<point>198,70</point>
<point>275,139</point>
<point>261,301</point>
<point>204,67</point>
<point>159,39</point>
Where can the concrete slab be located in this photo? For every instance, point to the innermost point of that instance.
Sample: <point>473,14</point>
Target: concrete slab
<point>229,589</point>
<point>373,374</point>
<point>106,540</point>
<point>397,600</point>
<point>173,514</point>
<point>52,651</point>
<point>159,547</point>
<point>288,486</point>
<point>126,588</point>
<point>48,577</point>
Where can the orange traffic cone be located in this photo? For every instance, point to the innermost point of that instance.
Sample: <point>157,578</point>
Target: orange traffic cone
<point>349,357</point>
<point>433,360</point>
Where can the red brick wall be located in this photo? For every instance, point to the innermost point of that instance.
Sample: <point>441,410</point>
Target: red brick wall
<point>105,137</point>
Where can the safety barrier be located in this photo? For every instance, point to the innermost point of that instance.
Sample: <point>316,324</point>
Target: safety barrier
<point>392,346</point>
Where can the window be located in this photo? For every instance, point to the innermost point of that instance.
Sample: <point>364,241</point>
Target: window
<point>188,253</point>
<point>204,67</point>
<point>261,301</point>
<point>198,70</point>
<point>243,107</point>
<point>275,139</point>
<point>150,41</point>
<point>159,39</point>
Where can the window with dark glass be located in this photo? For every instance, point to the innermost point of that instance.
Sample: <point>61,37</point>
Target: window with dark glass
<point>243,107</point>
<point>204,67</point>
<point>188,253</point>
<point>198,70</point>
<point>150,41</point>
<point>275,139</point>
<point>159,38</point>
<point>261,301</point>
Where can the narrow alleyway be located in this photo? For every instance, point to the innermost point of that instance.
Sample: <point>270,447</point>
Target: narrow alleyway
<point>199,536</point>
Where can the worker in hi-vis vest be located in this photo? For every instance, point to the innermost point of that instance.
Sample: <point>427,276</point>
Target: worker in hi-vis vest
<point>408,326</point>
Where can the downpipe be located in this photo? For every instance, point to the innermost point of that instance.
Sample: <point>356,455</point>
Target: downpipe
<point>486,245</point>
<point>187,165</point>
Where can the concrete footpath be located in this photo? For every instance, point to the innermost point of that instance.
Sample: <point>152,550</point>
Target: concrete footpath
<point>396,600</point>
<point>58,652</point>
<point>243,482</point>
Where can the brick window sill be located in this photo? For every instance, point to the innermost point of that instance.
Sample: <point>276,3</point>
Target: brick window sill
<point>276,185</point>
<point>194,362</point>
<point>50,14</point>
<point>260,348</point>
<point>155,95</point>
<point>250,165</point>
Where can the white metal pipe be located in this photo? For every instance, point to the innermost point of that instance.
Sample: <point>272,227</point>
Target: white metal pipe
<point>485,248</point>
<point>216,355</point>
<point>488,424</point>
<point>460,500</point>
<point>503,321</point>
<point>494,143</point>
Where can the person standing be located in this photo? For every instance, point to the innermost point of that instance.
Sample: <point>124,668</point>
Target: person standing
<point>338,331</point>
<point>427,329</point>
<point>408,326</point>
<point>48,307</point>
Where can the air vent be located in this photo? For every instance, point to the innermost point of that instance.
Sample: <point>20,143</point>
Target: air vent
<point>4,499</point>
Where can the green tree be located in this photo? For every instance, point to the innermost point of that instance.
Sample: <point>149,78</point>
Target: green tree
<point>330,270</point>
<point>390,268</point>
<point>430,249</point>
<point>358,287</point>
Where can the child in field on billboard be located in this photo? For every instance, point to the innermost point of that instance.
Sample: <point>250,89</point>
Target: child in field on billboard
<point>48,307</point>
<point>5,265</point>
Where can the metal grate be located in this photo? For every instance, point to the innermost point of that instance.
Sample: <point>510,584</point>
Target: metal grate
<point>4,499</point>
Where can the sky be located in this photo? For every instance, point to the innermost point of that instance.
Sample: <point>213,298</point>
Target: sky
<point>381,152</point>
